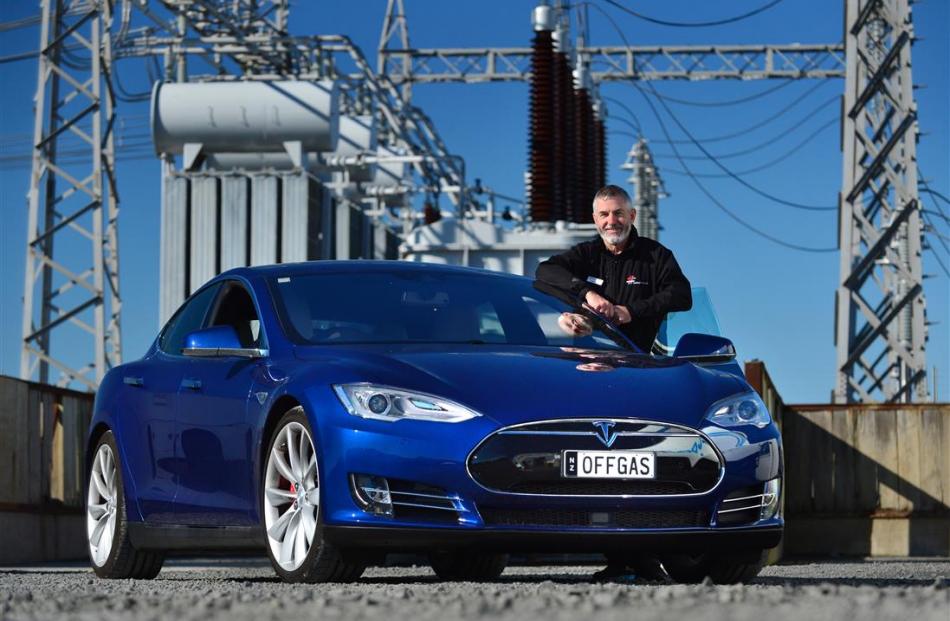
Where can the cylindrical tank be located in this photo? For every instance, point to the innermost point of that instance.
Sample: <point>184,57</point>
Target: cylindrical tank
<point>253,162</point>
<point>245,116</point>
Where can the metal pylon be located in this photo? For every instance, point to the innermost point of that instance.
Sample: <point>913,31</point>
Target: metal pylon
<point>71,289</point>
<point>395,33</point>
<point>880,328</point>
<point>647,189</point>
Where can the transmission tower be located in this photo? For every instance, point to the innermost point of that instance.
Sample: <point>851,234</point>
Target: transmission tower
<point>881,329</point>
<point>71,288</point>
<point>647,189</point>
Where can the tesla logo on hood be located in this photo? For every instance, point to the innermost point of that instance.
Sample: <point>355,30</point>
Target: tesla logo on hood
<point>605,432</point>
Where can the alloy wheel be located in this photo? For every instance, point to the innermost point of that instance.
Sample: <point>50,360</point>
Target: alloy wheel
<point>291,496</point>
<point>101,505</point>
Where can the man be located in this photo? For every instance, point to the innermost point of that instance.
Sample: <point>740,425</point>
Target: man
<point>631,280</point>
<point>634,282</point>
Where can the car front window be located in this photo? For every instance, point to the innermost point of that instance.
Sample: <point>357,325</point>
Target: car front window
<point>415,306</point>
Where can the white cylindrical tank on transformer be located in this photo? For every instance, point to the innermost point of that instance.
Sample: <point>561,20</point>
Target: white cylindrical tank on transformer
<point>245,116</point>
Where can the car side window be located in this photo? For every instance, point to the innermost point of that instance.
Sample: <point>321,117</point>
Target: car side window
<point>235,308</point>
<point>189,318</point>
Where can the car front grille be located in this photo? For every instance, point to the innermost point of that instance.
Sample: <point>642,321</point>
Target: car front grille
<point>621,518</point>
<point>526,459</point>
<point>600,487</point>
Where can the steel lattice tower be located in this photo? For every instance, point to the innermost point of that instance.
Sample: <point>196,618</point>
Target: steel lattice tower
<point>880,329</point>
<point>72,261</point>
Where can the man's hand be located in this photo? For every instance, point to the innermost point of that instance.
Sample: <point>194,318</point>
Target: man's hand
<point>601,304</point>
<point>622,314</point>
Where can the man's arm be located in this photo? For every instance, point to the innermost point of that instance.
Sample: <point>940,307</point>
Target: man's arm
<point>673,292</point>
<point>567,271</point>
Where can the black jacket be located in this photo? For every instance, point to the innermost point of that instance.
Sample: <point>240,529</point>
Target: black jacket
<point>645,278</point>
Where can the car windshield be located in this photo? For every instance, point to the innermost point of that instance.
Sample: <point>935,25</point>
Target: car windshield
<point>418,306</point>
<point>701,318</point>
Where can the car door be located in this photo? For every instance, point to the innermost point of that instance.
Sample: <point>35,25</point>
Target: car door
<point>151,387</point>
<point>215,434</point>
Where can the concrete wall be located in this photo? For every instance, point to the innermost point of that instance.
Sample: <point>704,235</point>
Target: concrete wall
<point>863,480</point>
<point>42,446</point>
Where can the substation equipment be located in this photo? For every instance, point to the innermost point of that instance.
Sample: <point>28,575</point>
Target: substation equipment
<point>290,148</point>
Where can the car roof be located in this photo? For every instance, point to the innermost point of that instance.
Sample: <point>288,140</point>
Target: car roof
<point>357,266</point>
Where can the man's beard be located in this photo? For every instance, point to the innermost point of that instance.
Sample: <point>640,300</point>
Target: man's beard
<point>615,238</point>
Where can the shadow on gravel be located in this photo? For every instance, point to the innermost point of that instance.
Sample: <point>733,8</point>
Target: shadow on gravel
<point>840,581</point>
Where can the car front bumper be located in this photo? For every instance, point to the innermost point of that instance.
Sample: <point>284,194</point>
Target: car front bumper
<point>403,539</point>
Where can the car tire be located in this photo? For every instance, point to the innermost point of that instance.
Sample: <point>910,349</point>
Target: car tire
<point>111,552</point>
<point>720,569</point>
<point>322,561</point>
<point>465,565</point>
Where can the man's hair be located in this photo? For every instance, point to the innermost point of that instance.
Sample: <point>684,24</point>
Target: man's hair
<point>612,191</point>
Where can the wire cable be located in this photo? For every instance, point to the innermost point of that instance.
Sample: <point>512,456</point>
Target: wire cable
<point>766,165</point>
<point>718,22</point>
<point>729,172</point>
<point>768,141</point>
<point>728,102</point>
<point>718,203</point>
<point>636,119</point>
<point>746,130</point>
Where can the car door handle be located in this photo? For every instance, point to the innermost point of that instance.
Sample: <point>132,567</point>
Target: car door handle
<point>192,383</point>
<point>133,381</point>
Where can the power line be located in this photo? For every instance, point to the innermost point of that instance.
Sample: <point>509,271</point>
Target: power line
<point>726,170</point>
<point>768,164</point>
<point>718,22</point>
<point>636,119</point>
<point>762,123</point>
<point>727,102</point>
<point>765,143</point>
<point>717,202</point>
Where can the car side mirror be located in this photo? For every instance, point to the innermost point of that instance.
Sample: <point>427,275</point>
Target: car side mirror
<point>704,348</point>
<point>218,342</point>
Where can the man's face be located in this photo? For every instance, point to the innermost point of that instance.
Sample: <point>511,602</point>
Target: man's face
<point>613,219</point>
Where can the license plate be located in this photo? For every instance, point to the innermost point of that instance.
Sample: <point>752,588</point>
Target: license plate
<point>608,465</point>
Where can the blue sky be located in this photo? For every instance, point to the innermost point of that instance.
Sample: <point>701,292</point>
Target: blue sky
<point>776,304</point>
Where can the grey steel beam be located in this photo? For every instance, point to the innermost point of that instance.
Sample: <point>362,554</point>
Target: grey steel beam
<point>611,63</point>
<point>72,202</point>
<point>880,307</point>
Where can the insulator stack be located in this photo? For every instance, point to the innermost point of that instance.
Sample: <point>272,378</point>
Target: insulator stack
<point>584,149</point>
<point>600,153</point>
<point>565,181</point>
<point>543,129</point>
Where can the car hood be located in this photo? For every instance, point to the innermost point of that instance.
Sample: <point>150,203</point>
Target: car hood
<point>519,384</point>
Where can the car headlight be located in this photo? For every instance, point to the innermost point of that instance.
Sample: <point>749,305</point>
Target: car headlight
<point>744,409</point>
<point>392,404</point>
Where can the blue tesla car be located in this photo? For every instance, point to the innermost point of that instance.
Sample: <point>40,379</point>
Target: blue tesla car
<point>332,412</point>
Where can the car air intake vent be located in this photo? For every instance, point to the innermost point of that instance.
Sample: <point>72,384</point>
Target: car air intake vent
<point>742,506</point>
<point>623,518</point>
<point>595,487</point>
<point>422,503</point>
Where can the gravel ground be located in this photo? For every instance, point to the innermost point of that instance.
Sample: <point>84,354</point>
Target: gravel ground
<point>237,590</point>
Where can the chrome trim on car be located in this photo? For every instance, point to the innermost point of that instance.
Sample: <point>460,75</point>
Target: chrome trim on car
<point>688,431</point>
<point>221,352</point>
